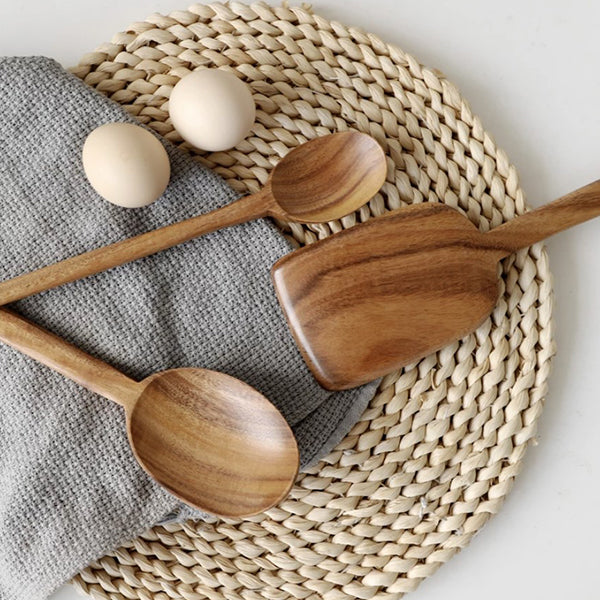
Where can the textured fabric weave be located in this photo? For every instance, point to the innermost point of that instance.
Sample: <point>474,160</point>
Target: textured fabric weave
<point>70,489</point>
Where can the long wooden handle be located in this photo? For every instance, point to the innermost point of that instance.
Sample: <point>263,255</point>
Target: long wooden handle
<point>574,208</point>
<point>59,355</point>
<point>107,257</point>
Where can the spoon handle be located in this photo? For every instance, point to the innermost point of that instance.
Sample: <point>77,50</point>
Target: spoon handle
<point>54,352</point>
<point>574,208</point>
<point>245,209</point>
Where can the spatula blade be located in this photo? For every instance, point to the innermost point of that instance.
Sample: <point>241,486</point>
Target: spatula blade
<point>385,293</point>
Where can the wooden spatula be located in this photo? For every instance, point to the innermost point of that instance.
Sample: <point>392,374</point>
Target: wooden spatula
<point>387,292</point>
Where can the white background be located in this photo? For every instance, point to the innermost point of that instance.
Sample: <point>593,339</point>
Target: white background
<point>531,70</point>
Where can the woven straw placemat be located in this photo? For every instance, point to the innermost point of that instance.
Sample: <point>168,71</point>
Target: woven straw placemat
<point>441,443</point>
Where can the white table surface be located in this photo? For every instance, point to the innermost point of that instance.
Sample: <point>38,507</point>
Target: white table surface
<point>531,70</point>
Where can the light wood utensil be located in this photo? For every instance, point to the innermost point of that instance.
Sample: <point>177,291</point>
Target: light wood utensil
<point>387,292</point>
<point>321,180</point>
<point>210,439</point>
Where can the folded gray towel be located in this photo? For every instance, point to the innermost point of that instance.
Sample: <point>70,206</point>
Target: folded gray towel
<point>70,489</point>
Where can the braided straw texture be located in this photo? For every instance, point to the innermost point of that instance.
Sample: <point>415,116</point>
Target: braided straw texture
<point>438,448</point>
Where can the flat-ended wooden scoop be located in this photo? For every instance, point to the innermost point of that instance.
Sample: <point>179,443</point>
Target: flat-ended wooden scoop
<point>210,439</point>
<point>390,291</point>
<point>321,180</point>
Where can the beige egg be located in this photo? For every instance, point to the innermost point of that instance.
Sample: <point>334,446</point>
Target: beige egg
<point>126,164</point>
<point>212,109</point>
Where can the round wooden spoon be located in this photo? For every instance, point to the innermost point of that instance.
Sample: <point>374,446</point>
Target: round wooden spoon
<point>321,180</point>
<point>208,438</point>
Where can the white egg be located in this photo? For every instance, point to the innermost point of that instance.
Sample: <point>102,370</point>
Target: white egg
<point>212,109</point>
<point>126,164</point>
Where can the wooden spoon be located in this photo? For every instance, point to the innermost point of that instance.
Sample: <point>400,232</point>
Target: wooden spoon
<point>321,180</point>
<point>208,438</point>
<point>387,292</point>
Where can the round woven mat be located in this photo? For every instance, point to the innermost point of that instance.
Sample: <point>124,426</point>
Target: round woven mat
<point>441,443</point>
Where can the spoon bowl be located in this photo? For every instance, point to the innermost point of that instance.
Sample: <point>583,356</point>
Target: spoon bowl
<point>328,177</point>
<point>213,441</point>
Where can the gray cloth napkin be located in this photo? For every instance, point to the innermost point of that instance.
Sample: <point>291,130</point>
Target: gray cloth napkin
<point>70,489</point>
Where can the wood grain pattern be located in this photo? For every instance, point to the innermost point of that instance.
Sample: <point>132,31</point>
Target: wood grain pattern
<point>210,439</point>
<point>340,171</point>
<point>324,179</point>
<point>390,291</point>
<point>210,436</point>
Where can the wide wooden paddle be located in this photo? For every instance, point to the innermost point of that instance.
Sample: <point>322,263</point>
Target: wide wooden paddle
<point>387,292</point>
<point>210,439</point>
<point>321,180</point>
